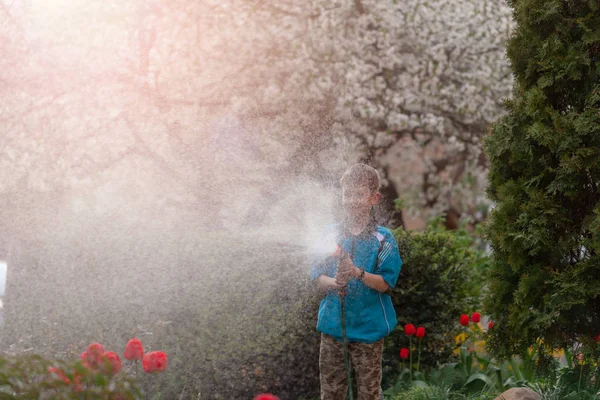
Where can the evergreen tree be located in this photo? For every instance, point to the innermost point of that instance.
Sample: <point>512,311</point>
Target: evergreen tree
<point>544,175</point>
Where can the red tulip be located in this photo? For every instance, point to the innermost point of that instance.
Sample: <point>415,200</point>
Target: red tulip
<point>134,350</point>
<point>409,329</point>
<point>114,360</point>
<point>420,332</point>
<point>464,320</point>
<point>60,374</point>
<point>491,325</point>
<point>266,396</point>
<point>404,353</point>
<point>93,355</point>
<point>154,361</point>
<point>476,317</point>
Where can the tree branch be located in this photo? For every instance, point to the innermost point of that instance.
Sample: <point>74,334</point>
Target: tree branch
<point>359,6</point>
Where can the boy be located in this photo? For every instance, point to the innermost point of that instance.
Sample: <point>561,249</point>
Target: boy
<point>366,266</point>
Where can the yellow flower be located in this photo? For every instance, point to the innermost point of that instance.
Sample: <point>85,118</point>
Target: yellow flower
<point>480,346</point>
<point>559,353</point>
<point>460,338</point>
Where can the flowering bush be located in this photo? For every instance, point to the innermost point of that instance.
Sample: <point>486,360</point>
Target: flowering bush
<point>97,375</point>
<point>34,377</point>
<point>440,279</point>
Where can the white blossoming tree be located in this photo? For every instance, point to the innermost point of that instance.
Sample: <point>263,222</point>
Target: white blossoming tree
<point>417,84</point>
<point>410,86</point>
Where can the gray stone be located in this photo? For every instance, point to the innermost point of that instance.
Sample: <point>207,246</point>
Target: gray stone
<point>518,394</point>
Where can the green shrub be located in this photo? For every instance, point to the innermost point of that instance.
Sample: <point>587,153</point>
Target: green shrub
<point>442,277</point>
<point>423,393</point>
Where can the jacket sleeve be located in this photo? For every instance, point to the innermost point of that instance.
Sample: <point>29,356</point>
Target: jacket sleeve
<point>390,262</point>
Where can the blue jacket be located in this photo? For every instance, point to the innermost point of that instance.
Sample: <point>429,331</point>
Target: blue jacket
<point>370,315</point>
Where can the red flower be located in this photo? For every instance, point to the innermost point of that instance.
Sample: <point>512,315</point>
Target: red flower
<point>61,375</point>
<point>404,353</point>
<point>110,357</point>
<point>134,350</point>
<point>464,320</point>
<point>77,385</point>
<point>266,396</point>
<point>154,361</point>
<point>476,317</point>
<point>420,332</point>
<point>93,355</point>
<point>83,356</point>
<point>490,325</point>
<point>409,329</point>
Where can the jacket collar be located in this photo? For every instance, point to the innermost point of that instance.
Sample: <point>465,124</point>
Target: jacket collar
<point>369,229</point>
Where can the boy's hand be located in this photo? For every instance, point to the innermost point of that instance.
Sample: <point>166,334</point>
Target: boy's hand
<point>328,283</point>
<point>346,270</point>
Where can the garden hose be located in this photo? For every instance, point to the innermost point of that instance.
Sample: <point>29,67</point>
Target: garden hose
<point>345,344</point>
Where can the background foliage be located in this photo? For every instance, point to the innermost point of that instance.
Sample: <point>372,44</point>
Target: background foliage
<point>544,176</point>
<point>442,277</point>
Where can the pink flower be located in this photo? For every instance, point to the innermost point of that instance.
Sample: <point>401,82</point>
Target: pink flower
<point>134,350</point>
<point>154,361</point>
<point>266,396</point>
<point>93,355</point>
<point>114,360</point>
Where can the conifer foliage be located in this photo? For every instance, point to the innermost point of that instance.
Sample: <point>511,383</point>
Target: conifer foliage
<point>545,170</point>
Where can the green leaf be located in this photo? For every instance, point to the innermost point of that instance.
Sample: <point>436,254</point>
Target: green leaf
<point>545,81</point>
<point>422,384</point>
<point>477,382</point>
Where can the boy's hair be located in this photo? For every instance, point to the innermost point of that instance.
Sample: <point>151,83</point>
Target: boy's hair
<point>361,174</point>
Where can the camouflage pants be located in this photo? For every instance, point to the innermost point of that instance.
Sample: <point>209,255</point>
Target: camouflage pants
<point>365,360</point>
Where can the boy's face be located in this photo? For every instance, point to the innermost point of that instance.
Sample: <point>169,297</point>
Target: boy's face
<point>358,199</point>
